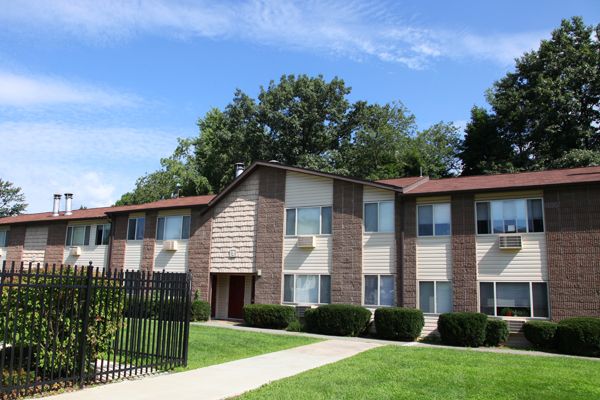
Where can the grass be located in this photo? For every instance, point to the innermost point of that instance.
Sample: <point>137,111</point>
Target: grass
<point>209,346</point>
<point>393,372</point>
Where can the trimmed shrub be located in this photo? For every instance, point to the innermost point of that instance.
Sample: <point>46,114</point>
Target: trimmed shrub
<point>462,328</point>
<point>273,316</point>
<point>200,310</point>
<point>337,319</point>
<point>542,334</point>
<point>579,336</point>
<point>496,332</point>
<point>295,326</point>
<point>395,323</point>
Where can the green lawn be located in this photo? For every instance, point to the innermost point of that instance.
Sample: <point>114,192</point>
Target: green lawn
<point>208,345</point>
<point>394,372</point>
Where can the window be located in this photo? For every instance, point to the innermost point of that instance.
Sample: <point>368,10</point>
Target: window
<point>514,299</point>
<point>434,219</point>
<point>78,235</point>
<point>307,289</point>
<point>308,221</point>
<point>435,297</point>
<point>3,238</point>
<point>173,228</point>
<point>135,230</point>
<point>102,234</point>
<point>510,216</point>
<point>379,217</point>
<point>379,290</point>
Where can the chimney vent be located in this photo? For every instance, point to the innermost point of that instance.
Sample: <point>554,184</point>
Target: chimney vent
<point>239,168</point>
<point>68,203</point>
<point>56,205</point>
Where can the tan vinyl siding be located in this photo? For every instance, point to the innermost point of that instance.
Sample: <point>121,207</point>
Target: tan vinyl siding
<point>221,309</point>
<point>98,255</point>
<point>379,253</point>
<point>170,261</point>
<point>303,190</point>
<point>248,290</point>
<point>434,258</point>
<point>234,228</point>
<point>36,238</point>
<point>133,254</point>
<point>430,327</point>
<point>509,195</point>
<point>177,211</point>
<point>527,264</point>
<point>317,260</point>
<point>371,194</point>
<point>433,199</point>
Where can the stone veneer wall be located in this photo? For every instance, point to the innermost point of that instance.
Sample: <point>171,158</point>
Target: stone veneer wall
<point>16,240</point>
<point>55,247</point>
<point>149,243</point>
<point>269,235</point>
<point>346,276</point>
<point>118,242</point>
<point>464,255</point>
<point>199,246</point>
<point>572,217</point>
<point>406,245</point>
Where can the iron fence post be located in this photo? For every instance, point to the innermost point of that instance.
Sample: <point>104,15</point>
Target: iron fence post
<point>84,328</point>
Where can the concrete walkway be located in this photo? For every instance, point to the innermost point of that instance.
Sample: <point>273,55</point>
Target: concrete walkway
<point>225,380</point>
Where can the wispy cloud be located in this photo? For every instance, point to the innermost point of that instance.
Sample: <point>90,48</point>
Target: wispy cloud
<point>356,29</point>
<point>21,90</point>
<point>97,164</point>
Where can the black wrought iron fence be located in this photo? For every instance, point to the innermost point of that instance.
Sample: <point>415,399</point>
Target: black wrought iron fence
<point>63,326</point>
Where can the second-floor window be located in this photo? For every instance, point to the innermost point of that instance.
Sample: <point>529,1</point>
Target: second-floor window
<point>78,235</point>
<point>102,234</point>
<point>434,219</point>
<point>379,217</point>
<point>3,238</point>
<point>135,230</point>
<point>510,216</point>
<point>173,227</point>
<point>308,221</point>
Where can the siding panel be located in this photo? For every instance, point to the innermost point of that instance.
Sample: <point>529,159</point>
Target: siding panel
<point>434,258</point>
<point>302,190</point>
<point>371,194</point>
<point>317,260</point>
<point>133,255</point>
<point>170,261</point>
<point>379,253</point>
<point>34,247</point>
<point>221,310</point>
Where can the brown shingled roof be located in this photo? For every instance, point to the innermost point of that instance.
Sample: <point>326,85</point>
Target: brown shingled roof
<point>102,212</point>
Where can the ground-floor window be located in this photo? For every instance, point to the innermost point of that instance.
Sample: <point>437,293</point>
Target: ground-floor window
<point>435,297</point>
<point>514,299</point>
<point>306,289</point>
<point>379,290</point>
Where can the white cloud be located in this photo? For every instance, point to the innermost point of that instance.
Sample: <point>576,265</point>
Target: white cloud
<point>19,90</point>
<point>96,164</point>
<point>356,29</point>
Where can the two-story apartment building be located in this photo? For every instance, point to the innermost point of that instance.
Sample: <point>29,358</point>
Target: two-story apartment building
<point>515,246</point>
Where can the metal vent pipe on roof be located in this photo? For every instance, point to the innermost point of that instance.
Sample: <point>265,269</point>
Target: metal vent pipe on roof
<point>56,205</point>
<point>68,203</point>
<point>239,168</point>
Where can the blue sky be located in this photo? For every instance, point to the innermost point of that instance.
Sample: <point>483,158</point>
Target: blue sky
<point>93,94</point>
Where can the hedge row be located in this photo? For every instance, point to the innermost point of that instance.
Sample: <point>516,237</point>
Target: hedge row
<point>471,329</point>
<point>578,336</point>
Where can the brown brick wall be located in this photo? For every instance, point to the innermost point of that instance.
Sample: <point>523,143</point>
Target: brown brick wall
<point>16,240</point>
<point>149,243</point>
<point>464,257</point>
<point>406,245</point>
<point>572,217</point>
<point>118,242</point>
<point>199,252</point>
<point>269,235</point>
<point>346,276</point>
<point>55,246</point>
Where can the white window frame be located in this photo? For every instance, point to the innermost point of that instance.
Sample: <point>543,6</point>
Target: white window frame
<point>530,298</point>
<point>136,226</point>
<point>294,288</point>
<point>165,224</point>
<point>433,220</point>
<point>378,217</point>
<point>526,216</point>
<point>379,290</point>
<point>70,239</point>
<point>435,282</point>
<point>103,233</point>
<point>296,221</point>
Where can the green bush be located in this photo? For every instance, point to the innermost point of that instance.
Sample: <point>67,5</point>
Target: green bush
<point>579,336</point>
<point>394,323</point>
<point>462,328</point>
<point>295,326</point>
<point>273,316</point>
<point>496,332</point>
<point>200,310</point>
<point>542,334</point>
<point>337,319</point>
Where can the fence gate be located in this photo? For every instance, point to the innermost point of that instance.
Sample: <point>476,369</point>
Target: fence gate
<point>62,326</point>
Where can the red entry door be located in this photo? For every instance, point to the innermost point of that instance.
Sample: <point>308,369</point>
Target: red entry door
<point>236,296</point>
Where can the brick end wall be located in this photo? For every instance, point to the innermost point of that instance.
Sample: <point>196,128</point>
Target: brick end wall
<point>16,240</point>
<point>55,246</point>
<point>118,242</point>
<point>199,252</point>
<point>269,235</point>
<point>346,279</point>
<point>406,257</point>
<point>572,217</point>
<point>464,257</point>
<point>149,243</point>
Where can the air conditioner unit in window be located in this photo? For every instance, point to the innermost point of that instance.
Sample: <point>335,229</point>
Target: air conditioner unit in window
<point>300,310</point>
<point>75,251</point>
<point>510,242</point>
<point>307,242</point>
<point>170,245</point>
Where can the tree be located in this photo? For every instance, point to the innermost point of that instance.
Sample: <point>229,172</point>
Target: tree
<point>12,200</point>
<point>578,158</point>
<point>434,152</point>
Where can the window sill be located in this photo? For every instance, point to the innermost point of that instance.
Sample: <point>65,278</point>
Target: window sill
<point>378,233</point>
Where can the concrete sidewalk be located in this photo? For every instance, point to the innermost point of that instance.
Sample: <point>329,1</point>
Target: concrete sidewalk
<point>225,380</point>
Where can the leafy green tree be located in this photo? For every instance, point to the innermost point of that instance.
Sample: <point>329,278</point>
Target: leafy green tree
<point>12,199</point>
<point>434,152</point>
<point>578,158</point>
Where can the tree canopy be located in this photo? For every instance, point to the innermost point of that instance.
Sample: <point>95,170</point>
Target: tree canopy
<point>12,199</point>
